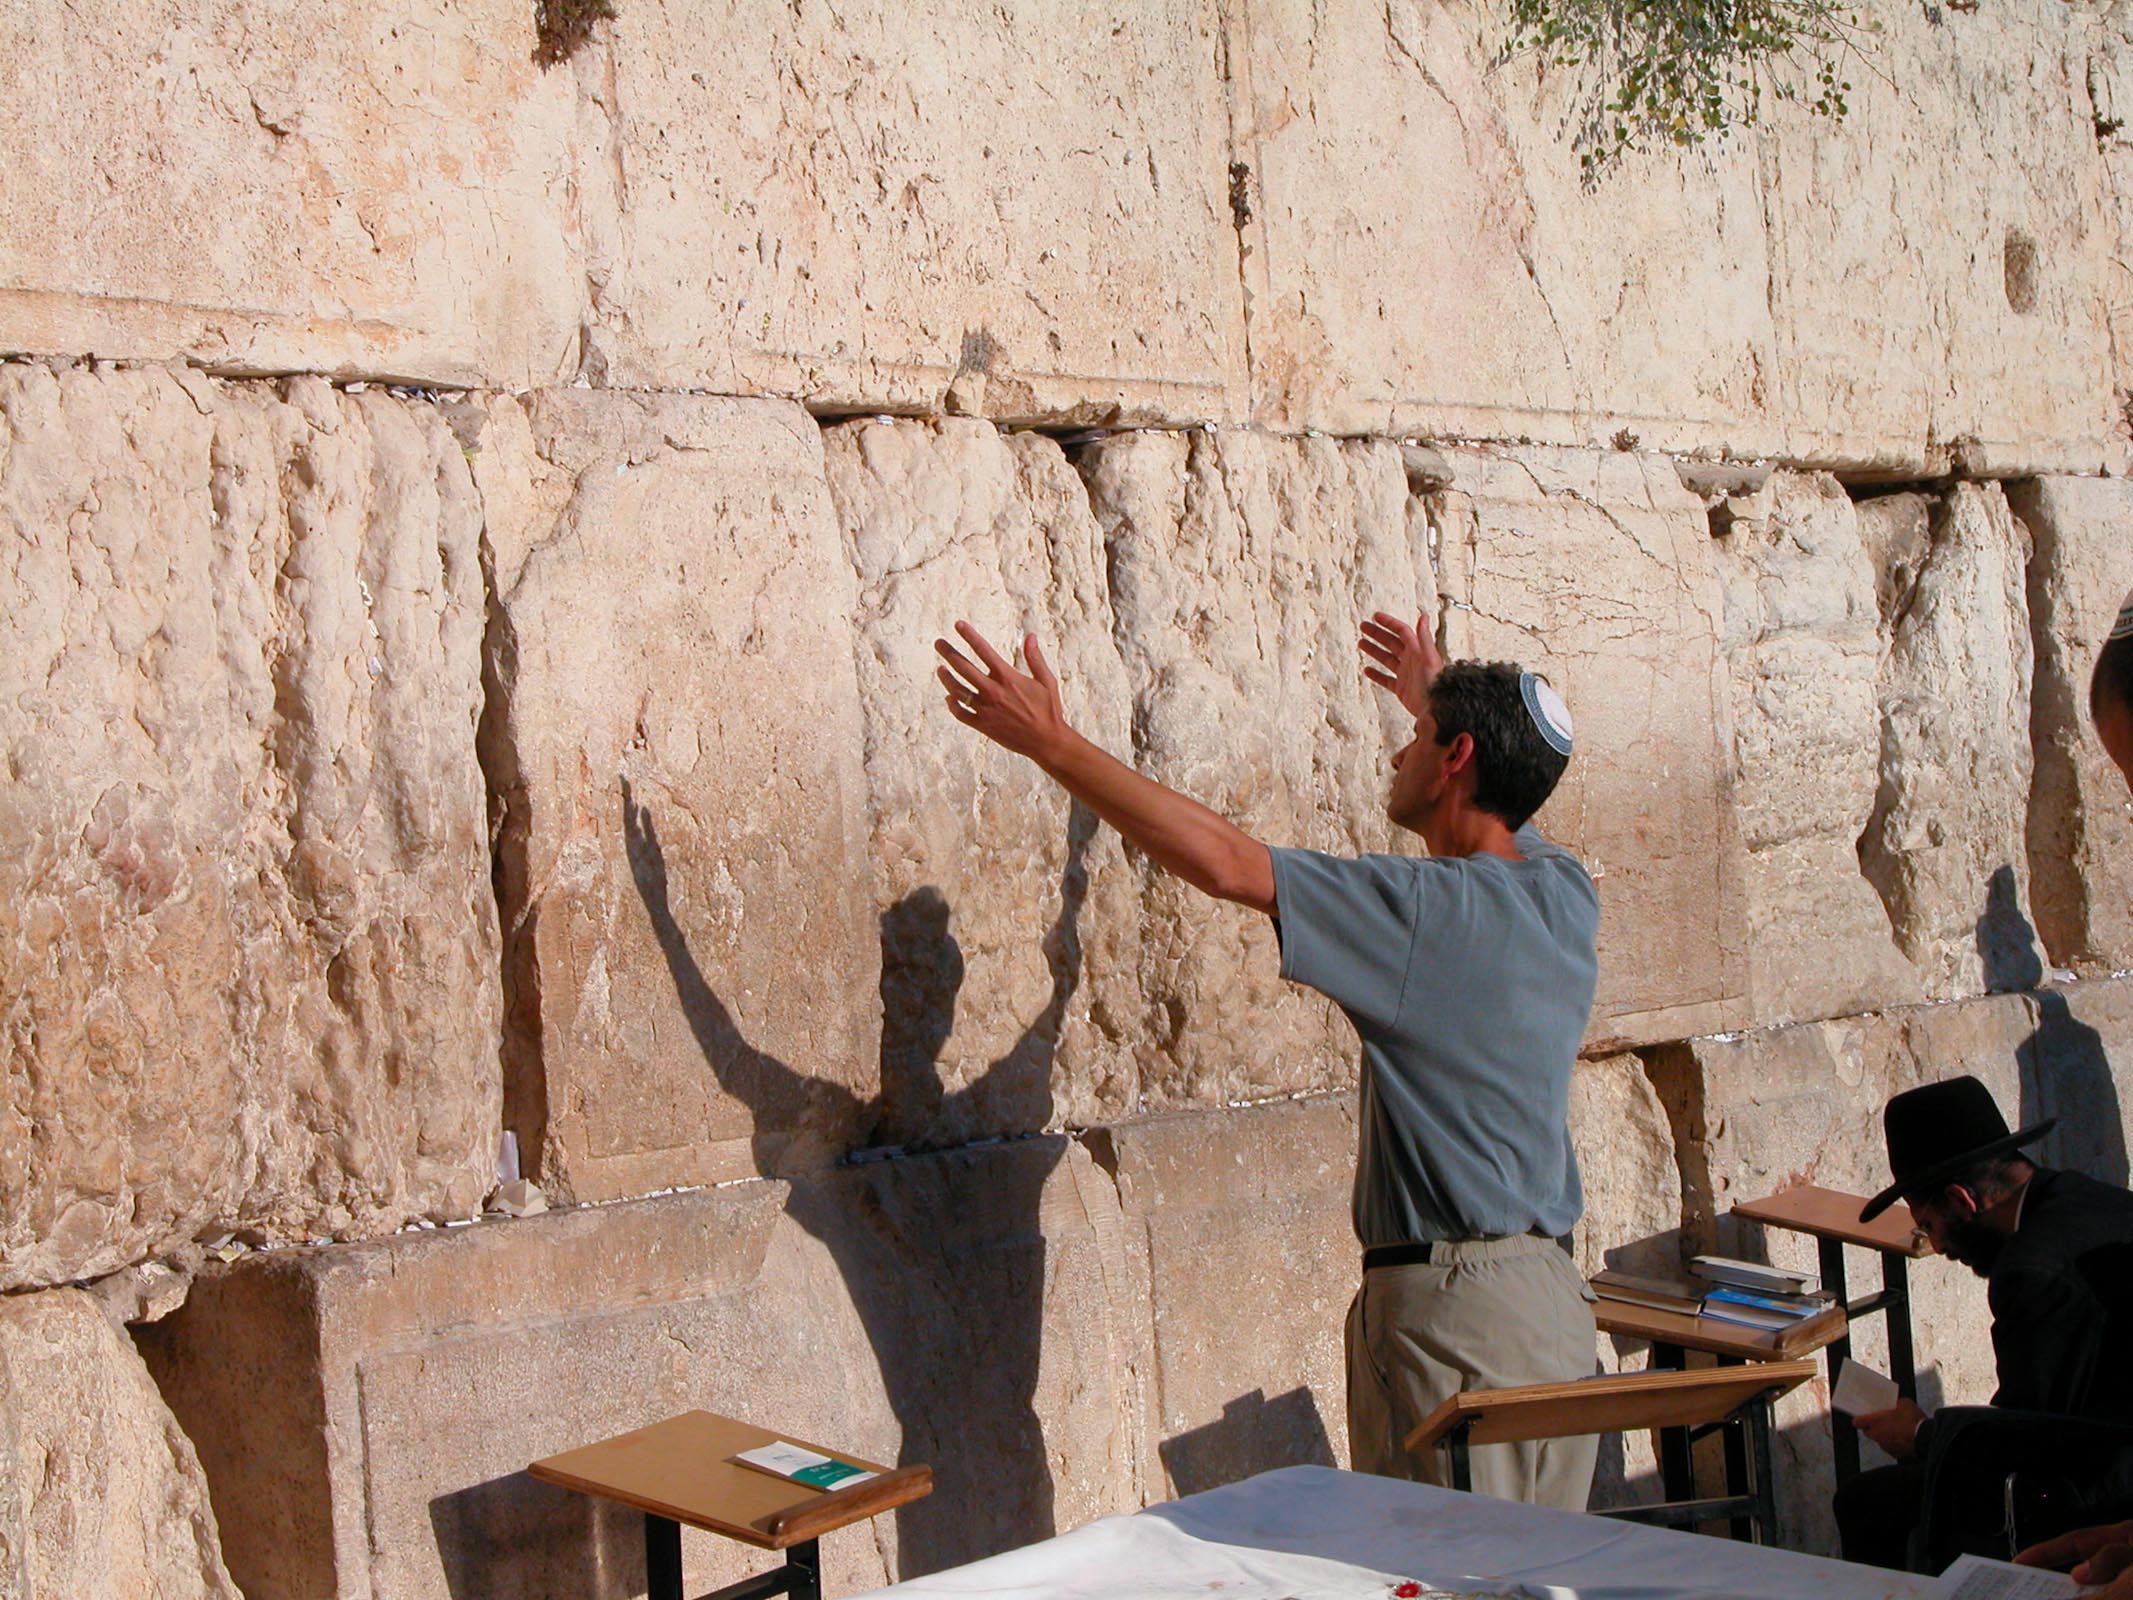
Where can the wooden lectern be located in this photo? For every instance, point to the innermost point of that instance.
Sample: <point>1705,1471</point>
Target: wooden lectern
<point>682,1471</point>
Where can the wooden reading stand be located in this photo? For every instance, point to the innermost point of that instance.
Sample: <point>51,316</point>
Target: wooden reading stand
<point>1711,1397</point>
<point>1673,1334</point>
<point>682,1471</point>
<point>1831,1217</point>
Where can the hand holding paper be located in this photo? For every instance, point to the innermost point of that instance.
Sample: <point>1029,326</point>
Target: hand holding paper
<point>1860,1389</point>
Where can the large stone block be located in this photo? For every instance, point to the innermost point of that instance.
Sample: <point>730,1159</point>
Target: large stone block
<point>1946,844</point>
<point>1014,211</point>
<point>964,1310</point>
<point>100,1492</point>
<point>1595,569</point>
<point>1241,565</point>
<point>248,954</point>
<point>303,186</point>
<point>1010,923</point>
<point>675,749</point>
<point>1505,299</point>
<point>1238,1222</point>
<point>1498,299</point>
<point>1988,348</point>
<point>1803,650</point>
<point>2080,842</point>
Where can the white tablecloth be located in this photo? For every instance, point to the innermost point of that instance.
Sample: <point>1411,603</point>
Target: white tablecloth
<point>1310,1533</point>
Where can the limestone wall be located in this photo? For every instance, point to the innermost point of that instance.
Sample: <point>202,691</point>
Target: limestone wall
<point>477,488</point>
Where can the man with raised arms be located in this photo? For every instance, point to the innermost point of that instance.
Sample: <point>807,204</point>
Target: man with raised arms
<point>1468,974</point>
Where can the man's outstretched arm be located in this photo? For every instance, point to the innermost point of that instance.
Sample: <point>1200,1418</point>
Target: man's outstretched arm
<point>1022,712</point>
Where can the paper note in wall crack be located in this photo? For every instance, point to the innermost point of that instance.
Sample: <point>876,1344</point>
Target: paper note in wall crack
<point>1859,1390</point>
<point>815,1470</point>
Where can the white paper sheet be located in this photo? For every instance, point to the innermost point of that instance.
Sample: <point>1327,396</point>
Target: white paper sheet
<point>1860,1389</point>
<point>1976,1578</point>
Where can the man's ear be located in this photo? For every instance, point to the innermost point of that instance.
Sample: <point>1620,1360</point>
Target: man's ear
<point>1458,755</point>
<point>1959,1203</point>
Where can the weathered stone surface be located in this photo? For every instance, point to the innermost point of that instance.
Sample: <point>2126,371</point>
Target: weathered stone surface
<point>1991,352</point>
<point>2111,91</point>
<point>2077,1066</point>
<point>1502,299</point>
<point>1005,211</point>
<point>1595,569</point>
<point>303,186</point>
<point>1241,565</point>
<point>247,945</point>
<point>963,1310</point>
<point>2080,842</point>
<point>1498,299</point>
<point>1238,1222</point>
<point>100,1492</point>
<point>1625,1150</point>
<point>1010,928</point>
<point>1945,846</point>
<point>1803,653</point>
<point>675,745</point>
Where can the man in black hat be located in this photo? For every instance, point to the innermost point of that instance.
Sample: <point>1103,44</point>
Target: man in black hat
<point>2053,1249</point>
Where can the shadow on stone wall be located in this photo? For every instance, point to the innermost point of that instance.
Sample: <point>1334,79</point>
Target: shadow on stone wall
<point>582,1545</point>
<point>1253,1435</point>
<point>2063,1067</point>
<point>956,1334</point>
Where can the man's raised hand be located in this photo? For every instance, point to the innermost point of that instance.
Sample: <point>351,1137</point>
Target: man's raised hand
<point>1407,657</point>
<point>1020,711</point>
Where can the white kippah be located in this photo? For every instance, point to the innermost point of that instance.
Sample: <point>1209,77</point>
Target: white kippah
<point>2123,627</point>
<point>1548,712</point>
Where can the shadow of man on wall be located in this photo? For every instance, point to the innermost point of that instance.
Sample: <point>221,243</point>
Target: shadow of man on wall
<point>2063,1067</point>
<point>943,1257</point>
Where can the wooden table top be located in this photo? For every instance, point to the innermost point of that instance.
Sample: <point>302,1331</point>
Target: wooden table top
<point>1833,1214</point>
<point>683,1468</point>
<point>1719,1338</point>
<point>1615,1402</point>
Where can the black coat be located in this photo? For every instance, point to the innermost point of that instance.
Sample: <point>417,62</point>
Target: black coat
<point>2062,1301</point>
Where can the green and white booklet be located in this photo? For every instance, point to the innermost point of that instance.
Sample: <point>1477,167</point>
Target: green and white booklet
<point>817,1471</point>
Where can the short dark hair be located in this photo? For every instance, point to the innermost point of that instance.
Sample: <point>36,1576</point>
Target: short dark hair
<point>1515,769</point>
<point>2113,678</point>
<point>1990,1178</point>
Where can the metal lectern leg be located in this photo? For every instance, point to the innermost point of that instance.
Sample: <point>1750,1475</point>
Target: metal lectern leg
<point>662,1558</point>
<point>1896,1295</point>
<point>1843,1438</point>
<point>803,1562</point>
<point>1677,1462</point>
<point>1462,1463</point>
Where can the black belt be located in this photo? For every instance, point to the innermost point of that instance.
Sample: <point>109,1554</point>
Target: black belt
<point>1398,1255</point>
<point>1420,1253</point>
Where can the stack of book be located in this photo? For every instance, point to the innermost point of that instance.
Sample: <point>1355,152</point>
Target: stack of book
<point>1744,1292</point>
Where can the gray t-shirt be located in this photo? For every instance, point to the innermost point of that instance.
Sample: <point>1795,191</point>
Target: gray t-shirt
<point>1470,980</point>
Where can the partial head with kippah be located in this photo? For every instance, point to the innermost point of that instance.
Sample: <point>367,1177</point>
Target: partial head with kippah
<point>1520,731</point>
<point>2111,692</point>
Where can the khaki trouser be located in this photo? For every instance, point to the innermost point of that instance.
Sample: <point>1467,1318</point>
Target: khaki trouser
<point>1486,1314</point>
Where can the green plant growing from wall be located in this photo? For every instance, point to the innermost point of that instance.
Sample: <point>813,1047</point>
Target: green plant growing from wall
<point>1660,72</point>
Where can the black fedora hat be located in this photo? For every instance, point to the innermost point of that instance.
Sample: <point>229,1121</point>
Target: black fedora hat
<point>1936,1130</point>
